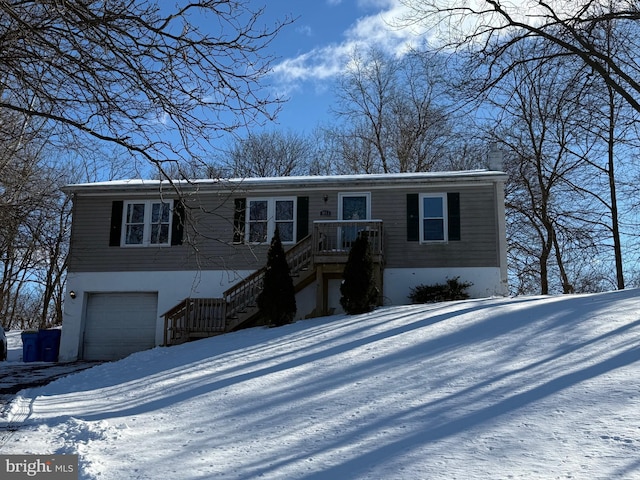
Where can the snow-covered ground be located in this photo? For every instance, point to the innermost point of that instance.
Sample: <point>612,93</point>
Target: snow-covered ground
<point>530,388</point>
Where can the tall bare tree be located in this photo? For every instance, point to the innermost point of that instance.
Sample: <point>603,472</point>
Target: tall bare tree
<point>35,217</point>
<point>393,113</point>
<point>538,105</point>
<point>158,80</point>
<point>19,204</point>
<point>493,27</point>
<point>599,39</point>
<point>611,122</point>
<point>269,154</point>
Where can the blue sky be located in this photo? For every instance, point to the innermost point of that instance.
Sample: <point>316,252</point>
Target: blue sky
<point>313,50</point>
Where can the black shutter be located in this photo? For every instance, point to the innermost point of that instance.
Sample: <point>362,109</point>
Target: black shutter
<point>177,223</point>
<point>413,220</point>
<point>239,215</point>
<point>115,232</point>
<point>302,219</point>
<point>453,208</point>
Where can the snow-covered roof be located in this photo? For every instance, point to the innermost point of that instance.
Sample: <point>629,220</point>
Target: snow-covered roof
<point>293,181</point>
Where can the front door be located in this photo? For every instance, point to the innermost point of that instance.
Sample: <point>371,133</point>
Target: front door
<point>352,207</point>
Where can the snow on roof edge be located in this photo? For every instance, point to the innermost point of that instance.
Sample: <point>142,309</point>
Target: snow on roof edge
<point>376,177</point>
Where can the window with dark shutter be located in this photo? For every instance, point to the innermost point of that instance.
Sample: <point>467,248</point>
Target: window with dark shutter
<point>145,223</point>
<point>453,209</point>
<point>115,232</point>
<point>302,220</point>
<point>433,217</point>
<point>413,217</point>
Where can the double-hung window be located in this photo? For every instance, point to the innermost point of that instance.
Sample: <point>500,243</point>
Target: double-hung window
<point>265,214</point>
<point>146,223</point>
<point>433,214</point>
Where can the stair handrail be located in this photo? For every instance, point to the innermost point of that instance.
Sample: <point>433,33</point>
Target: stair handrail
<point>246,291</point>
<point>300,255</point>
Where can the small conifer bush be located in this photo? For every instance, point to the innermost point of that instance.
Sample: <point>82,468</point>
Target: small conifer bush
<point>277,300</point>
<point>358,288</point>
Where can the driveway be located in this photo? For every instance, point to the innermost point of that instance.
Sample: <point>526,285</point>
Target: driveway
<point>16,376</point>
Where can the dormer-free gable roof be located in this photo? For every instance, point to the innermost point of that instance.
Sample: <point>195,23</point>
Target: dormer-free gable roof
<point>274,183</point>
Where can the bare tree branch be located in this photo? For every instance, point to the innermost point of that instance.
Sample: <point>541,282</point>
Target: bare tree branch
<point>496,26</point>
<point>161,84</point>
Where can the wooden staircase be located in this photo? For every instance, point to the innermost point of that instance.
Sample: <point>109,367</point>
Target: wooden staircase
<point>315,257</point>
<point>195,318</point>
<point>241,298</point>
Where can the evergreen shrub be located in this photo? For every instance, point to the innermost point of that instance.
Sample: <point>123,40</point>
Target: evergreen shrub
<point>358,288</point>
<point>277,300</point>
<point>452,289</point>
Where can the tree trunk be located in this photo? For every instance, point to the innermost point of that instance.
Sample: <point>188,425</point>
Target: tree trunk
<point>615,226</point>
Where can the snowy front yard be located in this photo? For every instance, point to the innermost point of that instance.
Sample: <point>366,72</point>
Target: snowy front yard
<point>532,387</point>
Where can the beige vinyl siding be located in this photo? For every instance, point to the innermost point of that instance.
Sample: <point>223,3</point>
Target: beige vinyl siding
<point>90,250</point>
<point>478,246</point>
<point>213,249</point>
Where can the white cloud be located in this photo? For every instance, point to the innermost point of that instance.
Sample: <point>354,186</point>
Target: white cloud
<point>326,62</point>
<point>452,21</point>
<point>385,29</point>
<point>305,30</point>
<point>318,64</point>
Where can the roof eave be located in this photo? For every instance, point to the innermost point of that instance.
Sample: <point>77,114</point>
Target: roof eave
<point>314,182</point>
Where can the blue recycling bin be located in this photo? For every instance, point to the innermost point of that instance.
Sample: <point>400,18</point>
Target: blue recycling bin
<point>30,350</point>
<point>49,344</point>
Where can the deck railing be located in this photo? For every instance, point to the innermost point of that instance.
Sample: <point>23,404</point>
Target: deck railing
<point>335,238</point>
<point>194,317</point>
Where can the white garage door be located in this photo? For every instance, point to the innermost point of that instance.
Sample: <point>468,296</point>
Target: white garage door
<point>118,324</point>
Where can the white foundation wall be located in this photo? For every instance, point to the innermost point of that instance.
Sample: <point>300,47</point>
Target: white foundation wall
<point>172,287</point>
<point>398,282</point>
<point>333,293</point>
<point>306,302</point>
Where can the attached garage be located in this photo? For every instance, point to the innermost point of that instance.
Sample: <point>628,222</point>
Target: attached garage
<point>118,324</point>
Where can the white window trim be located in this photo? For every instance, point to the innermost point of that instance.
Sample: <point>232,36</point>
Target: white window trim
<point>146,236</point>
<point>271,220</point>
<point>445,214</point>
<point>354,194</point>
